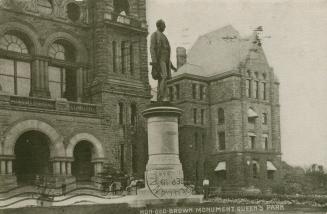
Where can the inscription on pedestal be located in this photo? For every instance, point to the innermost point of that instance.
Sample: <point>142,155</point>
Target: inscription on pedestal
<point>167,184</point>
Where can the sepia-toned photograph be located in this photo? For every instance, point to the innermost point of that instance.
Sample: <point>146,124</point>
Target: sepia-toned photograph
<point>163,106</point>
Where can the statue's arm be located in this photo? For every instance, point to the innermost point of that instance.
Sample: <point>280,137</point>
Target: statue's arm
<point>173,67</point>
<point>153,49</point>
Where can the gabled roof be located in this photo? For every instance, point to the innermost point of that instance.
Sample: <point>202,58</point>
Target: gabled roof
<point>217,52</point>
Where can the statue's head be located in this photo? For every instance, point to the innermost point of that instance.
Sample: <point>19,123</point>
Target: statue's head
<point>161,26</point>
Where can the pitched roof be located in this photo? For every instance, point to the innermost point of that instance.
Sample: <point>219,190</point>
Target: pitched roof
<point>217,52</point>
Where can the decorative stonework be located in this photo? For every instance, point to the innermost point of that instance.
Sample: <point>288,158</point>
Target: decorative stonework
<point>56,8</point>
<point>98,149</point>
<point>56,140</point>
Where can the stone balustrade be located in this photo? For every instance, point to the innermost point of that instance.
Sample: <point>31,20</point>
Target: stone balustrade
<point>32,102</point>
<point>48,104</point>
<point>83,107</point>
<point>127,20</point>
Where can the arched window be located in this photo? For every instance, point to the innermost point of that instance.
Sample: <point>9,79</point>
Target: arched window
<point>255,169</point>
<point>15,74</point>
<point>221,116</point>
<point>13,43</point>
<point>57,51</point>
<point>62,79</point>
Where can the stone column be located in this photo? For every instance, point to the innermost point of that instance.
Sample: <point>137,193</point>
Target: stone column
<point>9,167</point>
<point>56,168</point>
<point>97,167</point>
<point>79,84</point>
<point>7,177</point>
<point>69,168</point>
<point>63,168</point>
<point>3,167</point>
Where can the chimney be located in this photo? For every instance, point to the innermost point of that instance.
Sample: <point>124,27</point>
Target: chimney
<point>181,56</point>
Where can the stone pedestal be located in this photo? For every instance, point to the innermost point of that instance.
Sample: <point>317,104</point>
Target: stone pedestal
<point>164,179</point>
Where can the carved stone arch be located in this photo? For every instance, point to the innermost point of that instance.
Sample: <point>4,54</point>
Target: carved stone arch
<point>57,148</point>
<point>30,36</point>
<point>98,151</point>
<point>81,52</point>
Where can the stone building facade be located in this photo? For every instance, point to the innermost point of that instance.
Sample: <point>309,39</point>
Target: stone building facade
<point>74,79</point>
<point>230,128</point>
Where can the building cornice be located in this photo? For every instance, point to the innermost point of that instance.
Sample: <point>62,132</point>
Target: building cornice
<point>48,18</point>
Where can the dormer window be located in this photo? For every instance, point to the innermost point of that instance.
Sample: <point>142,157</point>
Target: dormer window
<point>252,116</point>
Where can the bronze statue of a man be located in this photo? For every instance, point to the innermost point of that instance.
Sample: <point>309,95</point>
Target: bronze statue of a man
<point>161,64</point>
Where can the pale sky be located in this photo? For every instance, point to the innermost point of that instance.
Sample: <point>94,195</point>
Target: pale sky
<point>297,50</point>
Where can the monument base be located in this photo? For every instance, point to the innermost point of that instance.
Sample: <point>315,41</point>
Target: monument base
<point>164,179</point>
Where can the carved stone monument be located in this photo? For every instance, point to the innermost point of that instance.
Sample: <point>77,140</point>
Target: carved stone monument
<point>164,174</point>
<point>164,178</point>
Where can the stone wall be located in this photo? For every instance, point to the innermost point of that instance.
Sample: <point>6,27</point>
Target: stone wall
<point>92,37</point>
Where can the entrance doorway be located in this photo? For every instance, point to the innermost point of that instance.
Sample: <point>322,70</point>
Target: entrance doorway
<point>32,156</point>
<point>82,167</point>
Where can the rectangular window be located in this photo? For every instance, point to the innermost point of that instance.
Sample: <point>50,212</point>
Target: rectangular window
<point>114,56</point>
<point>263,91</point>
<point>133,114</point>
<point>255,169</point>
<point>202,116</point>
<point>221,140</point>
<point>15,77</point>
<point>171,93</point>
<point>57,81</point>
<point>195,115</point>
<point>131,60</point>
<point>23,78</point>
<point>177,91</point>
<point>221,175</point>
<point>270,174</point>
<point>264,118</point>
<point>265,142</point>
<point>203,141</point>
<point>122,156</point>
<point>201,92</point>
<point>123,57</point>
<point>252,142</point>
<point>134,158</point>
<point>194,91</point>
<point>121,113</point>
<point>251,120</point>
<point>196,141</point>
<point>256,89</point>
<point>248,88</point>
